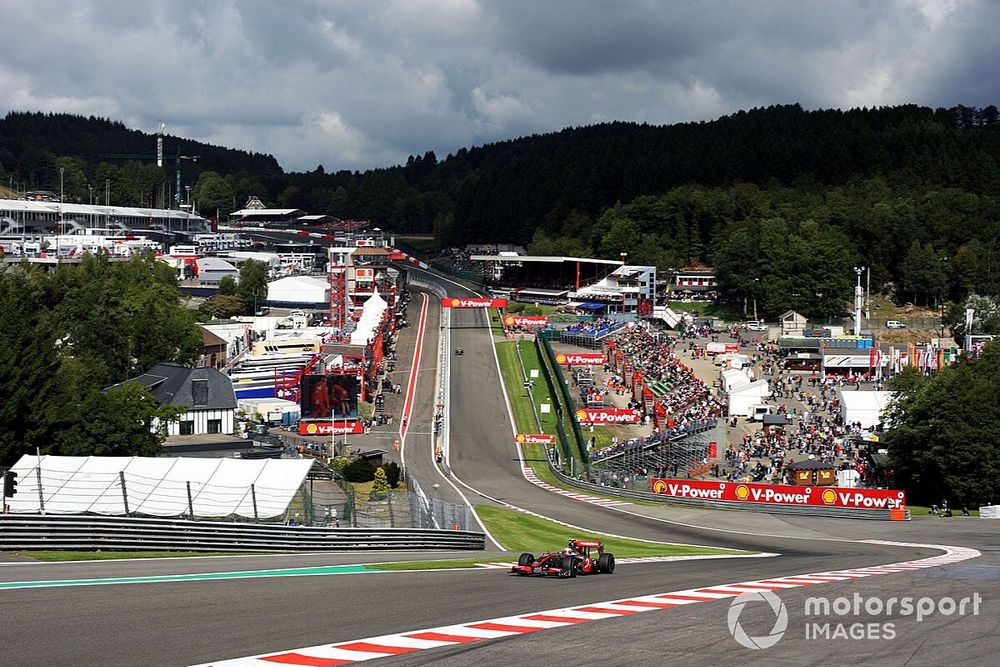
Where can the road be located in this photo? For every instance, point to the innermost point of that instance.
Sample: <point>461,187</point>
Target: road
<point>196,622</point>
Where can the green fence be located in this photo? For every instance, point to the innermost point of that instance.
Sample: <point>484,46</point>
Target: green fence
<point>549,365</point>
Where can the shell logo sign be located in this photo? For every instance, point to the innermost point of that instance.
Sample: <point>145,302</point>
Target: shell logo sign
<point>311,429</point>
<point>535,439</point>
<point>782,494</point>
<point>473,302</point>
<point>525,321</point>
<point>593,358</point>
<point>605,416</point>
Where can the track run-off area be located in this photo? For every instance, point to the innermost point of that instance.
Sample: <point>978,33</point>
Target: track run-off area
<point>281,609</point>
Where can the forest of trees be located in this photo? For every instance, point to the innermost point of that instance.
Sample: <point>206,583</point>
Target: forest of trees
<point>909,191</point>
<point>67,335</point>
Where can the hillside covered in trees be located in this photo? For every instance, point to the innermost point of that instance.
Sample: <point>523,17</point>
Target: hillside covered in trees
<point>782,201</point>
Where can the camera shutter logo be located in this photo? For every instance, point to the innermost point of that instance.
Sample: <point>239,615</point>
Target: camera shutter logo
<point>763,641</point>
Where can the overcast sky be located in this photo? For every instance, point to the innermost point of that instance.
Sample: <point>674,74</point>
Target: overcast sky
<point>360,84</point>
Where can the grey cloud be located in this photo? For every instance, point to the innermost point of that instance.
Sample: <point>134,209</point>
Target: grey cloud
<point>356,85</point>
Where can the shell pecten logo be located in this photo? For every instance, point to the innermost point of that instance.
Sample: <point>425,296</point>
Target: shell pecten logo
<point>829,496</point>
<point>455,303</point>
<point>560,358</point>
<point>520,438</point>
<point>312,428</point>
<point>659,486</point>
<point>742,492</point>
<point>581,415</point>
<point>508,320</point>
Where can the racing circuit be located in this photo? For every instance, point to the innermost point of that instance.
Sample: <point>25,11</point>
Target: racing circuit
<point>647,612</point>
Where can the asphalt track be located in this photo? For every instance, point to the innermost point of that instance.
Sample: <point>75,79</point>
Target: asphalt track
<point>196,622</point>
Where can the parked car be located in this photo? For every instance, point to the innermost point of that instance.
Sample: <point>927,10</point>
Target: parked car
<point>895,324</point>
<point>756,326</point>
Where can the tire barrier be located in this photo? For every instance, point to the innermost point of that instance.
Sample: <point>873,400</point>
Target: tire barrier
<point>87,533</point>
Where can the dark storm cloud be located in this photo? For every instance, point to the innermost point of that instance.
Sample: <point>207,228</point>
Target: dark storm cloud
<point>354,85</point>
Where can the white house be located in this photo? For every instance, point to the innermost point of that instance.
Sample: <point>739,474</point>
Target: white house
<point>207,394</point>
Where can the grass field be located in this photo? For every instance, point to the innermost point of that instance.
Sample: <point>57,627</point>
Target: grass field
<point>522,532</point>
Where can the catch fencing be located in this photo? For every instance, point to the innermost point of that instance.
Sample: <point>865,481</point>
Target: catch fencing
<point>432,512</point>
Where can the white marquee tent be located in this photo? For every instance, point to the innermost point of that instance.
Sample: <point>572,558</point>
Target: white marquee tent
<point>864,406</point>
<point>371,318</point>
<point>305,291</point>
<point>157,486</point>
<point>741,398</point>
<point>732,378</point>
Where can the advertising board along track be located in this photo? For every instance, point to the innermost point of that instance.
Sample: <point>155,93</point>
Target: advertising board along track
<point>781,494</point>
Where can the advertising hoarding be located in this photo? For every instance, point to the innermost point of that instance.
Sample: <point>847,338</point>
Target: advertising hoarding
<point>781,494</point>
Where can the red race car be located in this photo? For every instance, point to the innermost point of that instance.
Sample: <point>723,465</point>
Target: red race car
<point>579,557</point>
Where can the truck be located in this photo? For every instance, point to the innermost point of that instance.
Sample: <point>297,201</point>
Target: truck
<point>756,412</point>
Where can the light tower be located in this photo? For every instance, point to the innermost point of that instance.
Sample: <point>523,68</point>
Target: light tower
<point>859,300</point>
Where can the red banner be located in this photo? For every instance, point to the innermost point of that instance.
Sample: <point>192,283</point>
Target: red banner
<point>324,428</point>
<point>732,348</point>
<point>601,416</point>
<point>594,358</point>
<point>782,494</point>
<point>471,302</point>
<point>535,439</point>
<point>526,321</point>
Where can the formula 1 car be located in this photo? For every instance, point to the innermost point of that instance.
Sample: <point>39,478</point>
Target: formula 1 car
<point>579,557</point>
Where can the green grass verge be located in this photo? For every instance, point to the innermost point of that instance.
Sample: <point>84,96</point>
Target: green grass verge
<point>534,455</point>
<point>923,510</point>
<point>59,556</point>
<point>522,532</point>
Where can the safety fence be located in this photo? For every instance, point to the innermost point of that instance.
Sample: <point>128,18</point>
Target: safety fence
<point>47,532</point>
<point>635,493</point>
<point>550,366</point>
<point>432,512</point>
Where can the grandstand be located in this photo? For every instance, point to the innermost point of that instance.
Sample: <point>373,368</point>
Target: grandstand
<point>547,272</point>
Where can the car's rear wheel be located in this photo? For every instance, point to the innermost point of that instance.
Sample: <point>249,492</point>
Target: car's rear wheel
<point>606,564</point>
<point>526,559</point>
<point>569,566</point>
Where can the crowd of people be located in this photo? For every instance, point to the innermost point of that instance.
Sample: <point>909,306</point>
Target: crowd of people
<point>688,401</point>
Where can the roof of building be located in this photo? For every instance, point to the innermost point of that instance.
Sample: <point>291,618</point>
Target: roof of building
<point>542,258</point>
<point>209,339</point>
<point>215,264</point>
<point>810,464</point>
<point>173,384</point>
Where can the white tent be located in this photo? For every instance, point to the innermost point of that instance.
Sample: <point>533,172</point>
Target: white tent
<point>741,398</point>
<point>732,378</point>
<point>371,318</point>
<point>864,406</point>
<point>299,291</point>
<point>157,486</point>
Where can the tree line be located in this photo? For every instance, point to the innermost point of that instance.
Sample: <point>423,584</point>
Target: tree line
<point>68,335</point>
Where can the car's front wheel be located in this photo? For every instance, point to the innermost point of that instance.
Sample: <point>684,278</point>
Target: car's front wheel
<point>526,559</point>
<point>569,566</point>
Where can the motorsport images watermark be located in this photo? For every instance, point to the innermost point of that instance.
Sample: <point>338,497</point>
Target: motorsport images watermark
<point>842,617</point>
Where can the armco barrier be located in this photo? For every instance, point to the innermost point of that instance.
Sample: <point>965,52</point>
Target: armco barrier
<point>84,533</point>
<point>833,512</point>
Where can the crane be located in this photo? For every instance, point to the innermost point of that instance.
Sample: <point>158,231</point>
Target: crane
<point>176,159</point>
